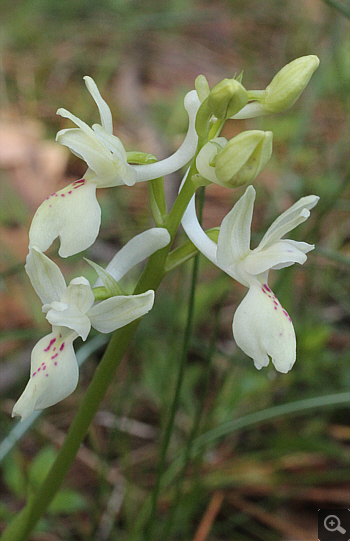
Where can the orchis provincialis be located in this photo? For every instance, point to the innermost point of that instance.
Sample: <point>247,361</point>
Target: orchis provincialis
<point>73,213</point>
<point>72,311</point>
<point>261,326</point>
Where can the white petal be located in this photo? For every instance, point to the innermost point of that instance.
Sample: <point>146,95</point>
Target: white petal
<point>291,218</point>
<point>79,294</point>
<point>79,143</point>
<point>136,250</point>
<point>122,172</point>
<point>115,312</point>
<point>206,155</point>
<point>234,236</point>
<point>109,169</point>
<point>71,318</point>
<point>53,374</point>
<point>196,234</point>
<point>73,214</point>
<point>263,329</point>
<point>45,276</point>
<point>112,142</point>
<point>80,123</point>
<point>183,155</point>
<point>105,112</point>
<point>280,254</point>
<point>56,305</point>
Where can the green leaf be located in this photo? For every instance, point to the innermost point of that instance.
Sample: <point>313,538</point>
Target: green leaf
<point>13,475</point>
<point>41,465</point>
<point>68,501</point>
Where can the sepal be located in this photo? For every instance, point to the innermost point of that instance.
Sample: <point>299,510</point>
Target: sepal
<point>45,276</point>
<point>114,313</point>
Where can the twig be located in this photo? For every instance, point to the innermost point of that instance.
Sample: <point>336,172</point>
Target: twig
<point>209,516</point>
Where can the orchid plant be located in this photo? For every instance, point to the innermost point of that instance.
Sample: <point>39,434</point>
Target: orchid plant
<point>261,326</point>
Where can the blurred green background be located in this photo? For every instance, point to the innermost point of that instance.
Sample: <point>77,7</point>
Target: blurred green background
<point>254,473</point>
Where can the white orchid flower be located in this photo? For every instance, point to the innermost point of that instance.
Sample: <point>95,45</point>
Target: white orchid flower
<point>73,213</point>
<point>261,326</point>
<point>72,311</point>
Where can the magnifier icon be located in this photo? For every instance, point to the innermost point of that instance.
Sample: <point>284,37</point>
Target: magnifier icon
<point>332,524</point>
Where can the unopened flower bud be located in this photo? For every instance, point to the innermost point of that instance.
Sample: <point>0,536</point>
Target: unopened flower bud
<point>243,158</point>
<point>227,98</point>
<point>287,85</point>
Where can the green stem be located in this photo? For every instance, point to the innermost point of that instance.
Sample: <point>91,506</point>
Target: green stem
<point>149,536</point>
<point>195,427</point>
<point>157,201</point>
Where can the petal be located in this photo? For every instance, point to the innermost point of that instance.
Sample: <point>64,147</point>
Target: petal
<point>183,155</point>
<point>105,112</point>
<point>122,172</point>
<point>110,141</point>
<point>71,318</point>
<point>83,127</point>
<point>110,170</point>
<point>136,250</point>
<point>79,294</point>
<point>234,236</point>
<point>45,276</point>
<point>115,312</point>
<point>196,234</point>
<point>73,214</point>
<point>280,254</point>
<point>71,311</point>
<point>291,218</point>
<point>263,329</point>
<point>53,374</point>
<point>84,146</point>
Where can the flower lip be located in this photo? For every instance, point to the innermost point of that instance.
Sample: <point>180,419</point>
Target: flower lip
<point>262,328</point>
<point>54,373</point>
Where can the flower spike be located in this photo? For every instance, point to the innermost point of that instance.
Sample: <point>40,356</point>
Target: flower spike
<point>261,326</point>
